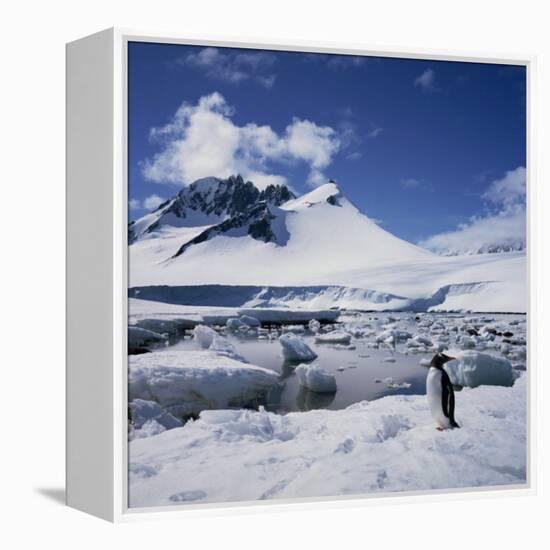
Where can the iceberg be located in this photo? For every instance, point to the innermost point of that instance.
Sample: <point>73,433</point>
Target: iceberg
<point>295,349</point>
<point>473,368</point>
<point>316,379</point>
<point>184,383</point>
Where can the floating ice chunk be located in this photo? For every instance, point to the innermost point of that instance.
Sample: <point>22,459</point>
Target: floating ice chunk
<point>349,347</point>
<point>234,325</point>
<point>334,337</point>
<point>208,338</point>
<point>473,368</point>
<point>314,326</point>
<point>222,346</point>
<point>399,385</point>
<point>316,379</point>
<point>204,336</point>
<point>295,349</point>
<point>389,359</point>
<point>422,340</point>
<point>505,349</point>
<point>425,362</point>
<point>466,342</point>
<point>186,382</point>
<point>393,334</point>
<point>250,321</point>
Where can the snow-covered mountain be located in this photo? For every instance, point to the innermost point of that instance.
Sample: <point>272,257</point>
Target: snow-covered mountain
<point>508,245</point>
<point>210,202</point>
<point>227,232</point>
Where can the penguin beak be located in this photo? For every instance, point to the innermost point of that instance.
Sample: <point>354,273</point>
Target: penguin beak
<point>450,358</point>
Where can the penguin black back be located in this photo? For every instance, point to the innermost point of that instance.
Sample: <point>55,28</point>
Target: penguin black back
<point>439,359</point>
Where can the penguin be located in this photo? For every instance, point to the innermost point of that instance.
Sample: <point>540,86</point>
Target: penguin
<point>440,393</point>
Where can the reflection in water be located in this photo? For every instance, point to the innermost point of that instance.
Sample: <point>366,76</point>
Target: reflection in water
<point>307,400</point>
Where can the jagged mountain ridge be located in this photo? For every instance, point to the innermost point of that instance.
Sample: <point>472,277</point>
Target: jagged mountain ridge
<point>214,201</point>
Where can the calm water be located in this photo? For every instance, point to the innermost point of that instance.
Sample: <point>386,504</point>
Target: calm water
<point>360,374</point>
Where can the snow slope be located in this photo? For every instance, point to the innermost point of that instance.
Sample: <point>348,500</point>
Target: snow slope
<point>322,239</point>
<point>381,446</point>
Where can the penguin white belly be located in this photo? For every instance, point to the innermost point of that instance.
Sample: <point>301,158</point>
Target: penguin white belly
<point>434,391</point>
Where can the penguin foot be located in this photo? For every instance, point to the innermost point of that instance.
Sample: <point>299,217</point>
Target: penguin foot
<point>440,429</point>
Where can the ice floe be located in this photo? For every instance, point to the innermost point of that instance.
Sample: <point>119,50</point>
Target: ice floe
<point>184,383</point>
<point>295,349</point>
<point>334,337</point>
<point>473,368</point>
<point>316,379</point>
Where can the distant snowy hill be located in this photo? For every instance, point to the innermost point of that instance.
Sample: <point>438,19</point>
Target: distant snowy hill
<point>510,245</point>
<point>227,232</point>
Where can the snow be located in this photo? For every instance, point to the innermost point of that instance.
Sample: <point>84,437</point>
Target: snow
<point>204,336</point>
<point>148,418</point>
<point>385,445</point>
<point>295,349</point>
<point>166,316</point>
<point>208,338</point>
<point>186,382</point>
<point>335,337</point>
<point>368,269</point>
<point>316,379</point>
<point>393,335</point>
<point>222,346</point>
<point>314,326</point>
<point>473,368</point>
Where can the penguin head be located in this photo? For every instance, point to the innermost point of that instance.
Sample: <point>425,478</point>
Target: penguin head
<point>439,359</point>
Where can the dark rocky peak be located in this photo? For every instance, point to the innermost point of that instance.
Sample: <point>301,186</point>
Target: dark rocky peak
<point>226,197</point>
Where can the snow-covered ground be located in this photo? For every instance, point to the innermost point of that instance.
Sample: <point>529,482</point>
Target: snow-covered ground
<point>386,445</point>
<point>381,444</point>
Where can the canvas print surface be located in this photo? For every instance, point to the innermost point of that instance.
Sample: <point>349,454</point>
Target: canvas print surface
<point>327,275</point>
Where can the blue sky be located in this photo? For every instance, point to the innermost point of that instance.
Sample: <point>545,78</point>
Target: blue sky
<point>418,145</point>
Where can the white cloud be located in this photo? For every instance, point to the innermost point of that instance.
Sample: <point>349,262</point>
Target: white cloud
<point>509,190</point>
<point>409,183</point>
<point>502,227</point>
<point>202,140</point>
<point>375,133</point>
<point>152,202</point>
<point>426,81</point>
<point>233,67</point>
<point>134,204</point>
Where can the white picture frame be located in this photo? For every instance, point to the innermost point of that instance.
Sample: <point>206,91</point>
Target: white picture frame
<point>97,274</point>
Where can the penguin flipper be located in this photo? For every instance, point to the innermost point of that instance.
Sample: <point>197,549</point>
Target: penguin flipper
<point>448,399</point>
